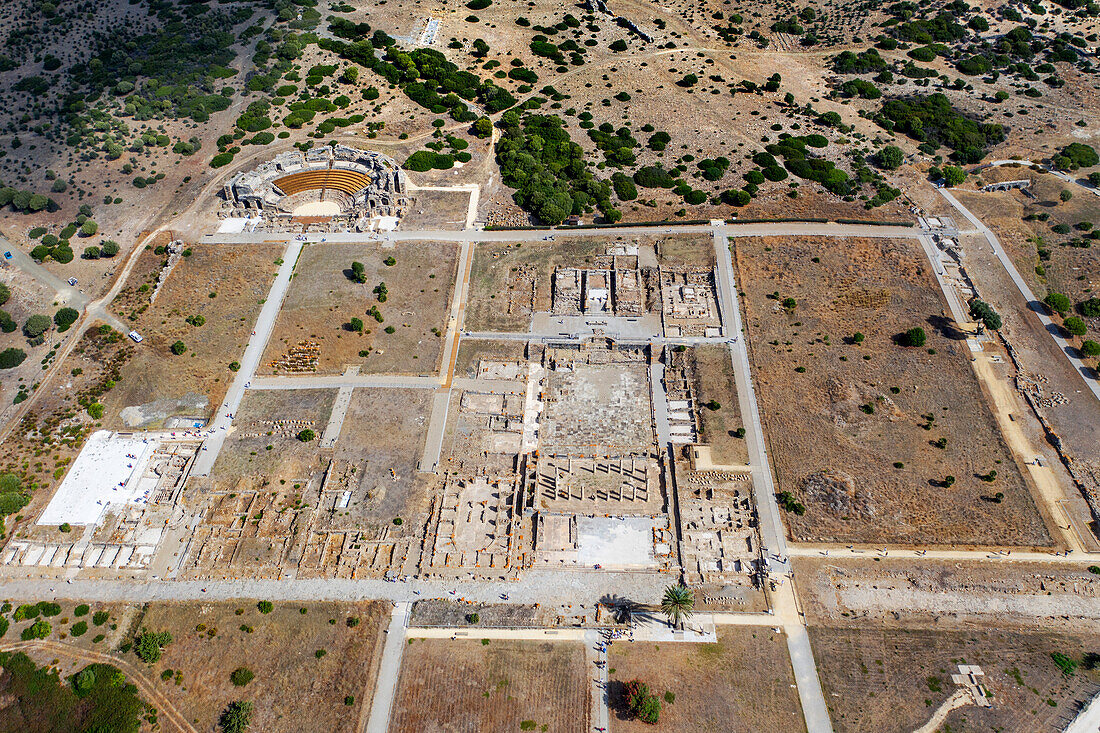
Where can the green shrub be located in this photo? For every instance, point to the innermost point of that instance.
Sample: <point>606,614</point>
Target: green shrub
<point>914,337</point>
<point>36,325</point>
<point>100,617</point>
<point>149,645</point>
<point>40,629</point>
<point>241,676</point>
<point>1075,326</point>
<point>11,357</point>
<point>1058,303</point>
<point>236,717</point>
<point>79,628</point>
<point>653,177</point>
<point>65,317</point>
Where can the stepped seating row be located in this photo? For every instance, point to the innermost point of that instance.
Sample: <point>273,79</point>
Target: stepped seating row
<point>349,182</point>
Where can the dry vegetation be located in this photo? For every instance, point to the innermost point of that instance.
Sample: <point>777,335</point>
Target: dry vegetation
<point>742,684</point>
<point>226,286</point>
<point>891,681</point>
<point>865,434</point>
<point>383,435</point>
<point>323,299</point>
<point>714,380</point>
<point>263,443</point>
<point>310,653</point>
<point>468,687</point>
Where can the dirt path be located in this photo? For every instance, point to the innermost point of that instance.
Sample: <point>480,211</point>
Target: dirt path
<point>960,699</point>
<point>147,689</point>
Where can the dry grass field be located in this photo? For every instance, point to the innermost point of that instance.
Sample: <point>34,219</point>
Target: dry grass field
<point>714,381</point>
<point>878,681</point>
<point>742,684</point>
<point>470,687</point>
<point>263,442</point>
<point>437,210</point>
<point>323,299</point>
<point>226,286</point>
<point>865,434</point>
<point>307,653</point>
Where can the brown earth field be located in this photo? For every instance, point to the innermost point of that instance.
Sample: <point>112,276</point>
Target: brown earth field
<point>310,673</point>
<point>865,434</point>
<point>889,681</point>
<point>714,380</point>
<point>384,431</point>
<point>469,687</point>
<point>323,299</point>
<point>264,443</point>
<point>239,277</point>
<point>437,210</point>
<point>742,684</point>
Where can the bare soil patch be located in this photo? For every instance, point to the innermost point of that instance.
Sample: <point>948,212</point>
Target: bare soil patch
<point>263,442</point>
<point>383,436</point>
<point>472,351</point>
<point>437,210</point>
<point>865,434</point>
<point>469,687</point>
<point>743,683</point>
<point>323,299</point>
<point>714,381</point>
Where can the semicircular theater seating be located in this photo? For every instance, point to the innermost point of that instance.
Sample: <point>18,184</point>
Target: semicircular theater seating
<point>350,182</point>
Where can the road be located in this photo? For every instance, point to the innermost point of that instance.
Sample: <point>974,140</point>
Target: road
<point>66,294</point>
<point>802,229</point>
<point>253,352</point>
<point>538,585</point>
<point>1051,327</point>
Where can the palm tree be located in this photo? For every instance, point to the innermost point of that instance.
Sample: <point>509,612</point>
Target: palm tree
<point>677,604</point>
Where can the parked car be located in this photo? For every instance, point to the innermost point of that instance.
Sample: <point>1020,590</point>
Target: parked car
<point>72,281</point>
<point>7,255</point>
<point>136,337</point>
